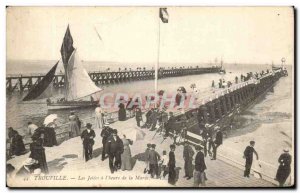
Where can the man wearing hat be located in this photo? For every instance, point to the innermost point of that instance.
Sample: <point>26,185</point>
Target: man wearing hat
<point>248,155</point>
<point>87,137</point>
<point>200,167</point>
<point>205,135</point>
<point>105,133</point>
<point>218,141</point>
<point>114,149</point>
<point>147,158</point>
<point>188,154</point>
<point>153,161</point>
<point>172,165</point>
<point>284,168</point>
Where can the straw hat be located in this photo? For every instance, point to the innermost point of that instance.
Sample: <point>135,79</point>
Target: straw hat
<point>29,162</point>
<point>286,150</point>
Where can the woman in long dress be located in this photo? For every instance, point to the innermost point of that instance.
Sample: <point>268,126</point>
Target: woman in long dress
<point>98,118</point>
<point>122,112</point>
<point>74,128</point>
<point>38,151</point>
<point>126,155</point>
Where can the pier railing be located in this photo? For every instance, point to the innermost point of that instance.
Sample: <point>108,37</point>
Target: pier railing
<point>26,82</point>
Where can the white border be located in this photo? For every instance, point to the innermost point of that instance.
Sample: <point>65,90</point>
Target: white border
<point>3,4</point>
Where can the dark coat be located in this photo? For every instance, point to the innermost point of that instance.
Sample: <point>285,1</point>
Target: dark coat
<point>188,152</point>
<point>219,138</point>
<point>146,154</point>
<point>284,168</point>
<point>88,137</point>
<point>49,135</point>
<point>122,112</point>
<point>114,146</point>
<point>138,115</point>
<point>200,165</point>
<point>105,133</point>
<point>153,157</point>
<point>171,165</point>
<point>149,116</point>
<point>172,161</point>
<point>38,153</point>
<point>248,153</point>
<point>178,99</point>
<point>17,145</point>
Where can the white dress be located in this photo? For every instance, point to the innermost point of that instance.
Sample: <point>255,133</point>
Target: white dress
<point>98,118</point>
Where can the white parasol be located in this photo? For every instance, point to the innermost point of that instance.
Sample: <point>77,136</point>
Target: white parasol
<point>50,119</point>
<point>133,133</point>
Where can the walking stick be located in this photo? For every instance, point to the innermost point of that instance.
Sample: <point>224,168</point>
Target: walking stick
<point>163,140</point>
<point>157,130</point>
<point>83,153</point>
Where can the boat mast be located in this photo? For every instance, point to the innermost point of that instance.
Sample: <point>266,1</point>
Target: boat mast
<point>66,52</point>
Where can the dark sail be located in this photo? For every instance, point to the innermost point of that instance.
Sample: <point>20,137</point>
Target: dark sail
<point>66,51</point>
<point>67,47</point>
<point>42,85</point>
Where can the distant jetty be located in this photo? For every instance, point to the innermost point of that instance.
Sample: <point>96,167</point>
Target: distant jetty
<point>22,83</point>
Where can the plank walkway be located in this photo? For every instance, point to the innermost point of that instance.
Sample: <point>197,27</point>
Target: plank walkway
<point>67,159</point>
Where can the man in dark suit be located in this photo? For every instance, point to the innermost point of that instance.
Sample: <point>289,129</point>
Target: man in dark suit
<point>188,154</point>
<point>170,124</point>
<point>218,141</point>
<point>200,167</point>
<point>205,134</point>
<point>172,165</point>
<point>248,155</point>
<point>148,119</point>
<point>153,161</point>
<point>87,136</point>
<point>114,149</point>
<point>105,133</point>
<point>284,168</point>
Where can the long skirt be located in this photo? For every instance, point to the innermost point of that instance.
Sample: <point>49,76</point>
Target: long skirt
<point>172,176</point>
<point>126,159</point>
<point>188,167</point>
<point>98,121</point>
<point>74,129</point>
<point>49,137</point>
<point>122,114</point>
<point>17,146</point>
<point>282,174</point>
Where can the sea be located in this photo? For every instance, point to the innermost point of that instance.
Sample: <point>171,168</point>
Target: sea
<point>18,113</point>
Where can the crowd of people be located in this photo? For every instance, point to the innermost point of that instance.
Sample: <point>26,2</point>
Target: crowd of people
<point>118,151</point>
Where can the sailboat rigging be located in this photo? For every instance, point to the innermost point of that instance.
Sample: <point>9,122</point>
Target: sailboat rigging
<point>78,83</point>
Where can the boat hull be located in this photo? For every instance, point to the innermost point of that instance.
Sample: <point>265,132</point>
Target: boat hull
<point>71,105</point>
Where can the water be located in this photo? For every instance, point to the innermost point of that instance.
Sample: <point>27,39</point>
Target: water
<point>18,113</point>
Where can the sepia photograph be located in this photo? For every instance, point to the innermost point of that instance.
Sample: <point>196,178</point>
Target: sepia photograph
<point>150,97</point>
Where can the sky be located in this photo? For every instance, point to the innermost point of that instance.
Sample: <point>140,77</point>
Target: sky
<point>255,35</point>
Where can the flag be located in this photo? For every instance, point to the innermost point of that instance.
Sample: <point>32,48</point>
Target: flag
<point>67,47</point>
<point>163,14</point>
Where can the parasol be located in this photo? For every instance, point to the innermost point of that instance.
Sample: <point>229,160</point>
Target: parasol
<point>50,119</point>
<point>133,134</point>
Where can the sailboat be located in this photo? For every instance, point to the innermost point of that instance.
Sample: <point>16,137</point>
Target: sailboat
<point>222,69</point>
<point>78,84</point>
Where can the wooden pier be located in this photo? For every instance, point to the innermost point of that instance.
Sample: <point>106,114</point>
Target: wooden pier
<point>26,82</point>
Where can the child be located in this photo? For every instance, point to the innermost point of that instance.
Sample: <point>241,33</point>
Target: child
<point>163,164</point>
